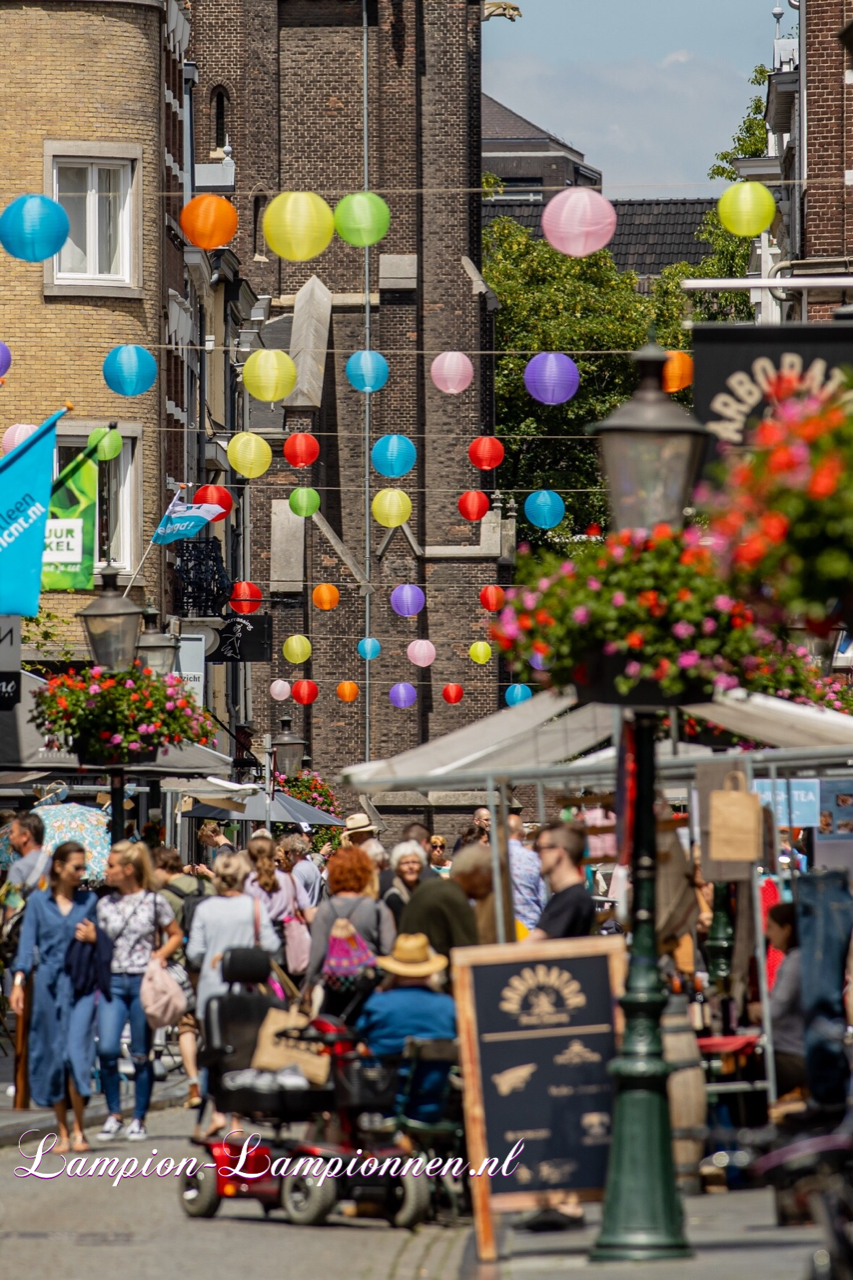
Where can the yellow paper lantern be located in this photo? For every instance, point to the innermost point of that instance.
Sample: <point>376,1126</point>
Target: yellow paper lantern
<point>298,225</point>
<point>297,649</point>
<point>391,507</point>
<point>249,454</point>
<point>269,375</point>
<point>746,209</point>
<point>480,652</point>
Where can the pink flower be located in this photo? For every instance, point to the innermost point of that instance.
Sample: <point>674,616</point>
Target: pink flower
<point>688,659</point>
<point>133,746</point>
<point>632,669</point>
<point>581,614</point>
<point>611,647</point>
<point>725,682</point>
<point>618,599</point>
<point>115,739</point>
<point>97,671</point>
<point>544,584</point>
<point>593,584</point>
<point>529,600</point>
<point>709,626</point>
<point>567,568</point>
<point>639,536</point>
<point>692,536</point>
<point>511,593</point>
<point>128,684</point>
<point>683,630</point>
<point>170,706</point>
<point>618,552</point>
<point>723,604</point>
<point>94,688</point>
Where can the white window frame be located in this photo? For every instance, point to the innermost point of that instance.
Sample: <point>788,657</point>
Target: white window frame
<point>74,435</point>
<point>128,158</point>
<point>93,167</point>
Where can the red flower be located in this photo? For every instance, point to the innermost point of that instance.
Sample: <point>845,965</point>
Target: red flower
<point>769,434</point>
<point>594,531</point>
<point>662,669</point>
<point>544,618</point>
<point>782,458</point>
<point>634,640</point>
<point>684,594</point>
<point>647,599</point>
<point>542,648</point>
<point>774,526</point>
<point>182,702</point>
<point>662,532</point>
<point>825,476</point>
<point>134,697</point>
<point>783,386</point>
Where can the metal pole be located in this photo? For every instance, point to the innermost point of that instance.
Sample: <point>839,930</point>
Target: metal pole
<point>268,776</point>
<point>497,884</point>
<point>503,858</point>
<point>761,966</point>
<point>540,803</point>
<point>116,805</point>
<point>365,125</point>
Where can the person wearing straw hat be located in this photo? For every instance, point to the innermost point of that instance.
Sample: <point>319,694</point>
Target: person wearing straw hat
<point>408,1005</point>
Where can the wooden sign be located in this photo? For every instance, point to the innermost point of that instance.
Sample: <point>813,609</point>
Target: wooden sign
<point>538,1024</point>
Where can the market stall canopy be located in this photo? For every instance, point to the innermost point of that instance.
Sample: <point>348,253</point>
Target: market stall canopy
<point>776,722</point>
<point>283,808</point>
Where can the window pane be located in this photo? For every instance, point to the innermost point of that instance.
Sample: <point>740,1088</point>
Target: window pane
<point>109,514</point>
<point>109,222</point>
<point>72,189</point>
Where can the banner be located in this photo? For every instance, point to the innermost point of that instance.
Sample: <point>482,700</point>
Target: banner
<point>181,521</point>
<point>26,475</point>
<point>69,547</point>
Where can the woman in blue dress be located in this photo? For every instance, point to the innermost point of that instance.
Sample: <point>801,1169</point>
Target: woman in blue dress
<point>62,1026</point>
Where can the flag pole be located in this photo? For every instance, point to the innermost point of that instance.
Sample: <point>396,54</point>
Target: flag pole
<point>139,566</point>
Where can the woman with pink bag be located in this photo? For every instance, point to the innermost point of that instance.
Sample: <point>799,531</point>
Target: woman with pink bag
<point>287,903</point>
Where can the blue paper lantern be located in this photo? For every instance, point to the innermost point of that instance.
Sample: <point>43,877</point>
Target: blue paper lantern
<point>403,695</point>
<point>368,648</point>
<point>393,456</point>
<point>544,508</point>
<point>33,228</point>
<point>551,377</point>
<point>367,371</point>
<point>130,371</point>
<point>517,693</point>
<point>407,600</point>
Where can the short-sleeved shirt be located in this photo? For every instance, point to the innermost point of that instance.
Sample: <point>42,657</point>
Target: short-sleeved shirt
<point>282,902</point>
<point>569,914</point>
<point>309,877</point>
<point>132,921</point>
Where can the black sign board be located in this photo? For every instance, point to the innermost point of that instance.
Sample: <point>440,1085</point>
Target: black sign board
<point>538,1026</point>
<point>734,364</point>
<point>10,689</point>
<point>244,638</point>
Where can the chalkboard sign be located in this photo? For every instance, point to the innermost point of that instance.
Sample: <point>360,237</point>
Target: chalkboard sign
<point>244,639</point>
<point>538,1025</point>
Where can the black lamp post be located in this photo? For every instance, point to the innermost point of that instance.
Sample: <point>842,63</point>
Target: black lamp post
<point>288,748</point>
<point>154,648</point>
<point>652,449</point>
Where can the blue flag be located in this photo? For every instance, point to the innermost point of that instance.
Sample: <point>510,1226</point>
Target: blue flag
<point>181,521</point>
<point>26,476</point>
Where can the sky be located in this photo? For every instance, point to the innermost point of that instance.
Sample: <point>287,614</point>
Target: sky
<point>649,92</point>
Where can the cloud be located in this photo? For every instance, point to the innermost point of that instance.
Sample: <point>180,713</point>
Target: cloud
<point>652,128</point>
<point>680,55</point>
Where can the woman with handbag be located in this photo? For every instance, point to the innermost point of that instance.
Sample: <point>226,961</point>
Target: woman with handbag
<point>62,1025</point>
<point>287,902</point>
<point>136,919</point>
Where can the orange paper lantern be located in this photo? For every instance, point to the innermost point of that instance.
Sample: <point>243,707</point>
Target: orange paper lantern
<point>304,692</point>
<point>326,596</point>
<point>209,221</point>
<point>347,691</point>
<point>677,372</point>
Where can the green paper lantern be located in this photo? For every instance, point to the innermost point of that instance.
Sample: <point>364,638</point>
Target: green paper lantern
<point>362,219</point>
<point>107,443</point>
<point>304,502</point>
<point>746,209</point>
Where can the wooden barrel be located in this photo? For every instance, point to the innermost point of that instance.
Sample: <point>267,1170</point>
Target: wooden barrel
<point>688,1104</point>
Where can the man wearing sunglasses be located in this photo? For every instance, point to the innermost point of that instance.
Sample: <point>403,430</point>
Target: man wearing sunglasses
<point>570,911</point>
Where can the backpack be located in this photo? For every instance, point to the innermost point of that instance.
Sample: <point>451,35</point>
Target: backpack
<point>348,956</point>
<point>190,900</point>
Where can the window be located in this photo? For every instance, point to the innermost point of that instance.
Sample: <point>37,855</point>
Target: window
<point>220,120</point>
<point>116,503</point>
<point>96,197</point>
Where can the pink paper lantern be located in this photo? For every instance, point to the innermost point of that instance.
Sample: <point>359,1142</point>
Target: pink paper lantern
<point>17,434</point>
<point>452,372</point>
<point>280,690</point>
<point>421,653</point>
<point>578,222</point>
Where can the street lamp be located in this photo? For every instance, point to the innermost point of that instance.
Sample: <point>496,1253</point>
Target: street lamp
<point>652,450</point>
<point>288,748</point>
<point>154,648</point>
<point>111,623</point>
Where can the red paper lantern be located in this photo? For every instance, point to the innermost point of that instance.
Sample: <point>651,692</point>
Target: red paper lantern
<point>492,598</point>
<point>486,452</point>
<point>453,693</point>
<point>347,691</point>
<point>326,596</point>
<point>246,597</point>
<point>217,496</point>
<point>304,692</point>
<point>301,449</point>
<point>473,505</point>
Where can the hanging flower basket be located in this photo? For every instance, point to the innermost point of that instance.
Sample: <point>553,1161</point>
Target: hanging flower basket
<point>97,751</point>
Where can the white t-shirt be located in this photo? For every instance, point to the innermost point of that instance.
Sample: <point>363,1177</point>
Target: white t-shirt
<point>132,921</point>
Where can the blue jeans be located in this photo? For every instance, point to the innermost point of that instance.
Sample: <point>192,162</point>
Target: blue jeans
<point>824,923</point>
<point>125,1006</point>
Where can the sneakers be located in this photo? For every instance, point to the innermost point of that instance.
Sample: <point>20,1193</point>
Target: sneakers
<point>111,1128</point>
<point>136,1131</point>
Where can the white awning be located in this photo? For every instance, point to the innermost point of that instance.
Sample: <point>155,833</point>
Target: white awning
<point>776,722</point>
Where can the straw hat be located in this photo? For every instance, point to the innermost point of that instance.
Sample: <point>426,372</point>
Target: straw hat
<point>359,822</point>
<point>412,957</point>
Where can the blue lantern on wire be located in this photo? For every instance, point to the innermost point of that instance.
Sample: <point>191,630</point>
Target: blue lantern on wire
<point>544,508</point>
<point>393,456</point>
<point>367,371</point>
<point>368,648</point>
<point>517,693</point>
<point>33,228</point>
<point>130,371</point>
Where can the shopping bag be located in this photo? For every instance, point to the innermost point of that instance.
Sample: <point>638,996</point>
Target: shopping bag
<point>736,822</point>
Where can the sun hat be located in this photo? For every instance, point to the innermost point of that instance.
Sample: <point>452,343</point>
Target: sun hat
<point>359,822</point>
<point>412,957</point>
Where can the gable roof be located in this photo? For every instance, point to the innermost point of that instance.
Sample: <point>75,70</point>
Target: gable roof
<point>498,123</point>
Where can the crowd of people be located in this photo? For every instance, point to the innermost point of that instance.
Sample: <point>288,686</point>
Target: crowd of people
<point>80,964</point>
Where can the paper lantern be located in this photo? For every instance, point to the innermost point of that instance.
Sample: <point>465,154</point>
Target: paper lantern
<point>326,596</point>
<point>746,209</point>
<point>249,454</point>
<point>421,653</point>
<point>218,496</point>
<point>368,648</point>
<point>246,597</point>
<point>5,359</point>
<point>544,508</point>
<point>209,221</point>
<point>407,600</point>
<point>391,508</point>
<point>517,693</point>
<point>305,692</point>
<point>551,377</point>
<point>578,222</point>
<point>304,502</point>
<point>393,456</point>
<point>130,371</point>
<point>538,663</point>
<point>297,649</point>
<point>33,228</point>
<point>347,691</point>
<point>17,434</point>
<point>107,443</point>
<point>677,372</point>
<point>367,371</point>
<point>453,693</point>
<point>362,219</point>
<point>452,372</point>
<point>473,504</point>
<point>480,652</point>
<point>403,695</point>
<point>298,225</point>
<point>301,449</point>
<point>280,690</point>
<point>269,375</point>
<point>492,598</point>
<point>486,452</point>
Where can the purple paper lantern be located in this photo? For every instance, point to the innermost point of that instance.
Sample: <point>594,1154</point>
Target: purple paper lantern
<point>551,377</point>
<point>538,663</point>
<point>403,695</point>
<point>407,600</point>
<point>5,359</point>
